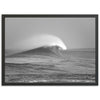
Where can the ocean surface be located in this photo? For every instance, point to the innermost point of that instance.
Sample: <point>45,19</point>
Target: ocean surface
<point>76,66</point>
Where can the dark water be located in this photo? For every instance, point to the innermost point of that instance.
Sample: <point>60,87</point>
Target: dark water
<point>76,66</point>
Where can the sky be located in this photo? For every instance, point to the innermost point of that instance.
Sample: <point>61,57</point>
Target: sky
<point>74,32</point>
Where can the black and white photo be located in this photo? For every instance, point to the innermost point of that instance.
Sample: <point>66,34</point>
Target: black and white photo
<point>50,49</point>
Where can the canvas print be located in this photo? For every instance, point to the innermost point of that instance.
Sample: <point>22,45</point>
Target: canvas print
<point>49,50</point>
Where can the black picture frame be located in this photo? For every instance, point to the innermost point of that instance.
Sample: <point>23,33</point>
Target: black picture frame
<point>51,16</point>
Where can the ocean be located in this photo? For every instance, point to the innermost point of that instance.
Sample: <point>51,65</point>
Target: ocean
<point>76,66</point>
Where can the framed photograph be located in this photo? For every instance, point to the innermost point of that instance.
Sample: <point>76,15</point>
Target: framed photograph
<point>50,49</point>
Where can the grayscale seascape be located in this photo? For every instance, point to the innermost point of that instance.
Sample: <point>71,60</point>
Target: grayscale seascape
<point>76,66</point>
<point>50,50</point>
